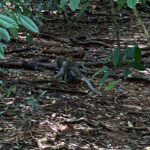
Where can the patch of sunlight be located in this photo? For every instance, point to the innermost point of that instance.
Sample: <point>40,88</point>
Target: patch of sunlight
<point>82,127</point>
<point>147,148</point>
<point>87,146</point>
<point>146,71</point>
<point>133,107</point>
<point>97,147</point>
<point>73,145</point>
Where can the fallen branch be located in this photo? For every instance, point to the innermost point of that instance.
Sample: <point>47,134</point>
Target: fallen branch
<point>137,128</point>
<point>67,53</point>
<point>48,36</point>
<point>29,65</point>
<point>48,147</point>
<point>132,77</point>
<point>93,124</point>
<point>60,90</point>
<point>25,49</point>
<point>89,42</point>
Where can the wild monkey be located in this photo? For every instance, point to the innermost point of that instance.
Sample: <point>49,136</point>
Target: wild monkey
<point>69,70</point>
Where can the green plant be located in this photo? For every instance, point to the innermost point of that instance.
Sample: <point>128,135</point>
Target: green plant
<point>8,92</point>
<point>132,4</point>
<point>33,102</point>
<point>112,84</point>
<point>131,55</point>
<point>134,57</point>
<point>1,82</point>
<point>10,25</point>
<point>15,13</point>
<point>62,6</point>
<point>105,71</point>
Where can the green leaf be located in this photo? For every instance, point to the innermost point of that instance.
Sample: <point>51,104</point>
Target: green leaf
<point>14,31</point>
<point>73,4</point>
<point>129,51</point>
<point>36,19</point>
<point>3,70</point>
<point>137,65</point>
<point>116,57</point>
<point>31,98</point>
<point>104,78</point>
<point>7,22</point>
<point>108,57</point>
<point>83,8</point>
<point>126,72</point>
<point>3,45</point>
<point>29,37</point>
<point>131,3</point>
<point>143,2</point>
<point>8,92</point>
<point>104,68</point>
<point>1,4</point>
<point>1,82</point>
<point>120,4</point>
<point>48,3</point>
<point>112,84</point>
<point>2,112</point>
<point>132,43</point>
<point>37,106</point>
<point>28,23</point>
<point>130,124</point>
<point>63,3</point>
<point>13,16</point>
<point>31,103</point>
<point>1,52</point>
<point>4,35</point>
<point>137,54</point>
<point>41,95</point>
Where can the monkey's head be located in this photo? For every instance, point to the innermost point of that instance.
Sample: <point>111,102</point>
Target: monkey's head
<point>60,61</point>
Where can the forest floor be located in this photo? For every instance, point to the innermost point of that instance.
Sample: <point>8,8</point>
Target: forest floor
<point>69,115</point>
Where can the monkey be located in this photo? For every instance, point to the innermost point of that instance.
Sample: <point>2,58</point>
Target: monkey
<point>69,70</point>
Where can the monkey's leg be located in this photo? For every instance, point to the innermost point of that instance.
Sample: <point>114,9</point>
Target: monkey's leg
<point>71,75</point>
<point>62,71</point>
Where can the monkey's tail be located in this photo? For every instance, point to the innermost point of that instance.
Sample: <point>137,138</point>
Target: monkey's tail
<point>89,84</point>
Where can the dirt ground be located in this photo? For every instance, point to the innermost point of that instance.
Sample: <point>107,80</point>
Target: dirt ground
<point>69,115</point>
